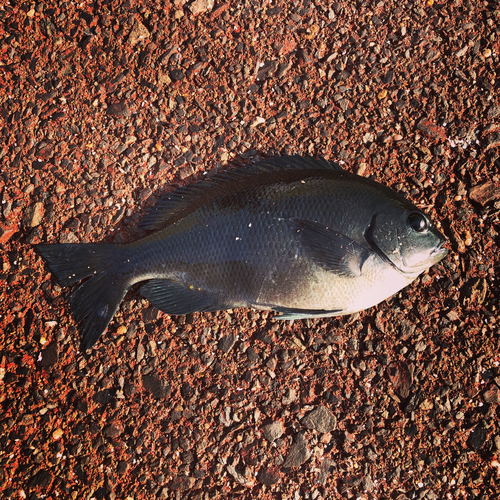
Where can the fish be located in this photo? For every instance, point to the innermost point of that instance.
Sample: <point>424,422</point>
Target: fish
<point>296,235</point>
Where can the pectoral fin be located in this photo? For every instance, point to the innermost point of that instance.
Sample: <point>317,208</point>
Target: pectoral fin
<point>333,251</point>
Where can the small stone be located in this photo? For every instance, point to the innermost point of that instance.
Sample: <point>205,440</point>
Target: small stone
<point>122,467</point>
<point>240,478</point>
<point>400,377</point>
<point>497,442</point>
<point>159,388</point>
<point>290,396</point>
<point>118,109</point>
<point>267,69</point>
<point>177,74</point>
<point>113,430</point>
<point>477,438</point>
<point>42,479</point>
<point>50,355</point>
<point>139,32</point>
<point>367,483</point>
<point>484,193</point>
<point>200,6</point>
<point>327,466</point>
<point>182,483</point>
<point>320,419</point>
<point>122,330</point>
<point>431,130</point>
<point>493,111</point>
<point>476,289</point>
<point>283,68</point>
<point>258,121</point>
<point>57,434</point>
<point>185,171</point>
<point>493,142</point>
<point>299,452</point>
<point>226,343</point>
<point>273,431</point>
<point>269,475</point>
<point>492,395</point>
<point>33,215</point>
<point>140,353</point>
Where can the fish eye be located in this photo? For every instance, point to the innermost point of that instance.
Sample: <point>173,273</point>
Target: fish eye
<point>418,222</point>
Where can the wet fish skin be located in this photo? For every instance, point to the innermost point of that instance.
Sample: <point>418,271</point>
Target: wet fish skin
<point>296,235</point>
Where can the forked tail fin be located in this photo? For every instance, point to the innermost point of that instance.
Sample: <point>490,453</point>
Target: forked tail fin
<point>94,302</point>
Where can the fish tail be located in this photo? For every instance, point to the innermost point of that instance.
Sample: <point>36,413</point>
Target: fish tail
<point>94,302</point>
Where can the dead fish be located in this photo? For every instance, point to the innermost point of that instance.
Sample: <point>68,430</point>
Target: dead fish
<point>295,235</point>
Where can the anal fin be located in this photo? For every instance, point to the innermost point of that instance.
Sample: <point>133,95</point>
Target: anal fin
<point>178,299</point>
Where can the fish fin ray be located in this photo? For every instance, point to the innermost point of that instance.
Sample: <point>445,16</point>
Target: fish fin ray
<point>177,299</point>
<point>171,205</point>
<point>333,251</point>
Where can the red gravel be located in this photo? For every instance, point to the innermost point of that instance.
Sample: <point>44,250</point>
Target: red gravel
<point>105,104</point>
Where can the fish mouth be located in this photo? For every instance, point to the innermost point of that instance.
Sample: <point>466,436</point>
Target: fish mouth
<point>440,251</point>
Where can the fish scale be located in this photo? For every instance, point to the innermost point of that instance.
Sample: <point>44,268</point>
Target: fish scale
<point>296,235</point>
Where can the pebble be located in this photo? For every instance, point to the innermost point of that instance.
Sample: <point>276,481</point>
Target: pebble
<point>299,452</point>
<point>477,438</point>
<point>118,109</point>
<point>476,290</point>
<point>492,395</point>
<point>177,75</point>
<point>320,419</point>
<point>57,434</point>
<point>484,193</point>
<point>493,142</point>
<point>33,215</point>
<point>50,355</point>
<point>367,483</point>
<point>273,431</point>
<point>140,353</point>
<point>200,6</point>
<point>226,343</point>
<point>431,130</point>
<point>139,32</point>
<point>267,69</point>
<point>182,483</point>
<point>159,388</point>
<point>113,430</point>
<point>400,378</point>
<point>258,121</point>
<point>493,111</point>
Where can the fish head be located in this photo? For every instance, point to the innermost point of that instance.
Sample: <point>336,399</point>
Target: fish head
<point>407,239</point>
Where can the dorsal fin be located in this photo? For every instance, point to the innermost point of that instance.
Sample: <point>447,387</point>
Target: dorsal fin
<point>172,204</point>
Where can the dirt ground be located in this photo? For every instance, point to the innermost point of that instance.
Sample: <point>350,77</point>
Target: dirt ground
<point>106,105</point>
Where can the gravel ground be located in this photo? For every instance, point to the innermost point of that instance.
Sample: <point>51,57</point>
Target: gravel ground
<point>105,105</point>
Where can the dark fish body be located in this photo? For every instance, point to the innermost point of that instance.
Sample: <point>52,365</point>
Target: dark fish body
<point>296,235</point>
